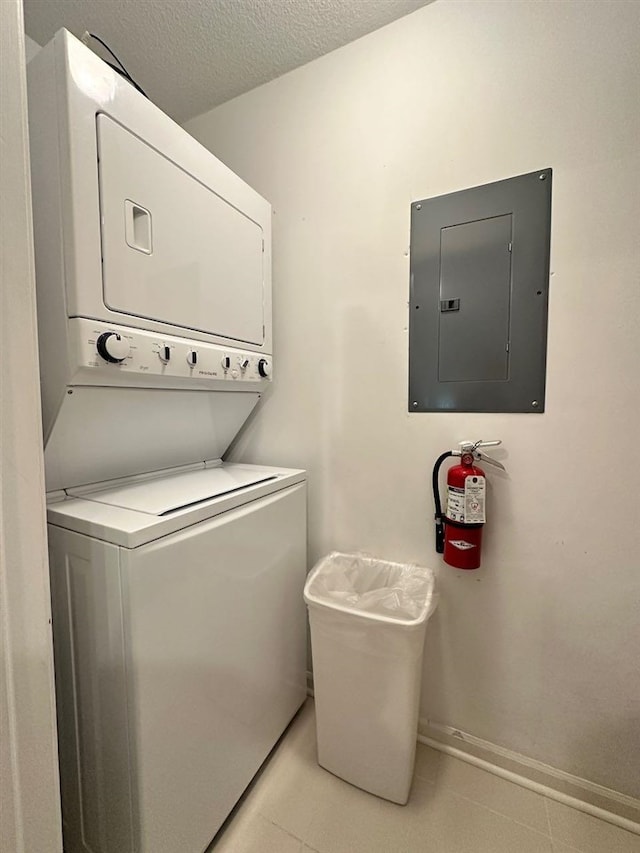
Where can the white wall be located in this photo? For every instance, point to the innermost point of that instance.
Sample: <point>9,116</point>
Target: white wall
<point>30,804</point>
<point>31,47</point>
<point>537,651</point>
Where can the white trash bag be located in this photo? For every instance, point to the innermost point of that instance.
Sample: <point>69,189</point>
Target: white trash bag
<point>362,584</point>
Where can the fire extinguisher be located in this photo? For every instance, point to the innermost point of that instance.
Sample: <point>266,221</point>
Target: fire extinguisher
<point>459,531</point>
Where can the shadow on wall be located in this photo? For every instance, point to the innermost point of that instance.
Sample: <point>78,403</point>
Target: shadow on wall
<point>373,507</point>
<point>461,689</point>
<point>595,745</point>
<point>468,654</point>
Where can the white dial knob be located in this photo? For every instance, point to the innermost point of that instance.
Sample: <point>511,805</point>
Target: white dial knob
<point>192,358</point>
<point>244,363</point>
<point>113,347</point>
<point>164,354</point>
<point>226,362</point>
<point>264,368</point>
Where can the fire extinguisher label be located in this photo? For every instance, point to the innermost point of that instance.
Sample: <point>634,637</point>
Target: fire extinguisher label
<point>455,504</point>
<point>474,500</point>
<point>467,506</point>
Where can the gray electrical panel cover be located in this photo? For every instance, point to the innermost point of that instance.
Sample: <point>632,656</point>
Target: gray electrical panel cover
<point>479,296</point>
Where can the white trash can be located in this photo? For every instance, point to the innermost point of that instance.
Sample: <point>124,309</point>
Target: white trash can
<point>368,620</point>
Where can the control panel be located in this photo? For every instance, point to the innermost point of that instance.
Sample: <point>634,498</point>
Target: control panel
<point>135,355</point>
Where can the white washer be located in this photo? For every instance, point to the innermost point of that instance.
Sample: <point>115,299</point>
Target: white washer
<point>180,648</point>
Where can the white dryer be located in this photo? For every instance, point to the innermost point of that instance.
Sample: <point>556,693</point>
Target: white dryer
<point>180,649</point>
<point>178,617</point>
<point>153,278</point>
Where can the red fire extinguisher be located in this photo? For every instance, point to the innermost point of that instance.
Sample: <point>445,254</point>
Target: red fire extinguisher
<point>459,531</point>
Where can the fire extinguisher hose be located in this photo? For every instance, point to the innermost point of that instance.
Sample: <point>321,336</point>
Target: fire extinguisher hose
<point>436,500</point>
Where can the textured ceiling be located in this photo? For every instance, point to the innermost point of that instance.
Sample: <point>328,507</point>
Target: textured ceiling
<point>190,55</point>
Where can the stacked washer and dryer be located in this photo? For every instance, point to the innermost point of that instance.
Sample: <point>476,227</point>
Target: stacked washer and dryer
<point>179,623</point>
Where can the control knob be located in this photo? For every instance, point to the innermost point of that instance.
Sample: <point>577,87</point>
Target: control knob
<point>264,368</point>
<point>112,347</point>
<point>192,358</point>
<point>164,354</point>
<point>226,362</point>
<point>244,363</point>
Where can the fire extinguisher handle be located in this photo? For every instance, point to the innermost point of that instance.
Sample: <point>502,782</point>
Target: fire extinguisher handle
<point>473,448</point>
<point>489,460</point>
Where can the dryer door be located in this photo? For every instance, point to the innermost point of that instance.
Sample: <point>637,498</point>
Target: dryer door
<point>173,250</point>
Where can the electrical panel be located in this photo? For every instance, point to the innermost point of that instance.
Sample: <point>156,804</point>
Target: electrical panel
<point>479,296</point>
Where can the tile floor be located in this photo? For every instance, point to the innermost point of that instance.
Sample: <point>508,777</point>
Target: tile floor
<point>294,806</point>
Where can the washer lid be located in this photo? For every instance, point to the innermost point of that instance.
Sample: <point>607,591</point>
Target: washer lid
<point>166,495</point>
<point>142,511</point>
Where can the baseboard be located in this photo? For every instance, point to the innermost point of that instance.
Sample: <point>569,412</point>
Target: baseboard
<point>604,803</point>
